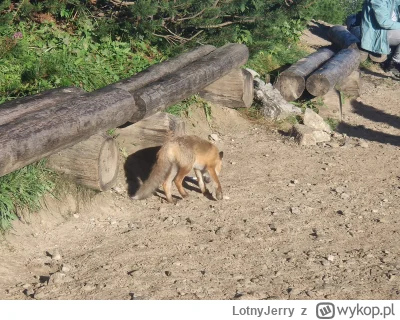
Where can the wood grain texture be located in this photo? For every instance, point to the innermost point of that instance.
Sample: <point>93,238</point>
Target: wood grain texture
<point>162,69</point>
<point>92,163</point>
<point>9,111</point>
<point>235,90</point>
<point>291,83</point>
<point>343,38</point>
<point>335,70</point>
<point>36,135</point>
<point>150,132</point>
<point>188,80</point>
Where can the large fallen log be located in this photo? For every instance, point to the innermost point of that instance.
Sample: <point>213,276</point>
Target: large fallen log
<point>335,70</point>
<point>162,69</point>
<point>92,163</point>
<point>235,90</point>
<point>36,135</point>
<point>14,109</point>
<point>292,82</point>
<point>189,80</point>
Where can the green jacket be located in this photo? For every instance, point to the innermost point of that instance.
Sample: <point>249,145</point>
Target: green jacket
<point>376,20</point>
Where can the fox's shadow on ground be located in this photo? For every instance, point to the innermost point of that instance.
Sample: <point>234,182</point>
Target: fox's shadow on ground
<point>137,169</point>
<point>138,166</point>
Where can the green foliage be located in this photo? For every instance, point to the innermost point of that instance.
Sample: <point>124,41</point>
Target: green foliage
<point>23,189</point>
<point>45,56</point>
<point>183,108</point>
<point>332,11</point>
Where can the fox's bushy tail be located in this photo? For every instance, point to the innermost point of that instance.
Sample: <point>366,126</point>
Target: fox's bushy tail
<point>157,176</point>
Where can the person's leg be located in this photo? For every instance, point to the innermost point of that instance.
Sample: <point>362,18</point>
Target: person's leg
<point>394,41</point>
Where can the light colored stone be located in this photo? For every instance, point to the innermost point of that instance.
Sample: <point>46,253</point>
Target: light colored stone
<point>321,136</point>
<point>304,135</point>
<point>273,105</point>
<point>315,121</point>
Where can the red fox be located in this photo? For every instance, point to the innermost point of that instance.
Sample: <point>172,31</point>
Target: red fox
<point>175,159</point>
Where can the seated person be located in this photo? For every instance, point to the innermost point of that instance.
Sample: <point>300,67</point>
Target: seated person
<point>380,29</point>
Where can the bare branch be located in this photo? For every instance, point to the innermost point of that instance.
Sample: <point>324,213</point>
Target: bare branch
<point>227,23</point>
<point>122,3</point>
<point>192,17</point>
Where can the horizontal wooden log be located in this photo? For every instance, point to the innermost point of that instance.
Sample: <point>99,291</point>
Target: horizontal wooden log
<point>189,80</point>
<point>235,90</point>
<point>162,69</point>
<point>343,38</point>
<point>92,163</point>
<point>9,111</point>
<point>335,70</point>
<point>150,132</point>
<point>291,83</point>
<point>36,135</point>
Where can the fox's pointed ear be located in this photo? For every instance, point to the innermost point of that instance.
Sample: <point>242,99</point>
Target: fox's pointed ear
<point>221,155</point>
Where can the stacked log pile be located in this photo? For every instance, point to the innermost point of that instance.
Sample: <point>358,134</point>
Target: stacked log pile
<point>325,70</point>
<point>66,124</point>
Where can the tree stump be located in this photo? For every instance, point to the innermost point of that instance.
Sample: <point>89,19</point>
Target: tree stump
<point>335,70</point>
<point>149,132</point>
<point>235,90</point>
<point>92,163</point>
<point>291,82</point>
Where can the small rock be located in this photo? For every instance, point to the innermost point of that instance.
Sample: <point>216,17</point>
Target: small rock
<point>65,268</point>
<point>89,287</point>
<point>315,121</point>
<point>56,255</point>
<point>214,137</point>
<point>295,210</point>
<point>113,221</point>
<point>326,263</point>
<point>304,135</point>
<point>344,196</point>
<point>76,216</point>
<point>226,198</point>
<point>330,258</point>
<point>339,190</point>
<point>333,144</point>
<point>56,278</point>
<point>363,144</point>
<point>26,286</point>
<point>321,136</point>
<point>29,292</point>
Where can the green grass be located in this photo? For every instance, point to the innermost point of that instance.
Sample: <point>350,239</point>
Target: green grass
<point>40,57</point>
<point>183,108</point>
<point>22,190</point>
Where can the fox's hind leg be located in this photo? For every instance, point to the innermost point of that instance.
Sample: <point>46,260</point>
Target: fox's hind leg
<point>167,185</point>
<point>200,180</point>
<point>182,173</point>
<point>214,176</point>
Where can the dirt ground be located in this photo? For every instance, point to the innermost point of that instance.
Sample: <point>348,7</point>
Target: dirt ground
<point>296,222</point>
